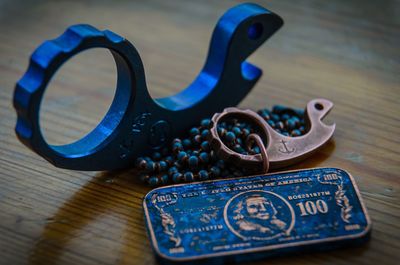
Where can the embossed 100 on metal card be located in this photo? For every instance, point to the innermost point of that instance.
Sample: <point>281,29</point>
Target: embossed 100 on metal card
<point>254,217</point>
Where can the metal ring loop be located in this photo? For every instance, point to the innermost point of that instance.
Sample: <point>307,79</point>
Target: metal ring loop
<point>251,162</point>
<point>30,89</point>
<point>263,151</point>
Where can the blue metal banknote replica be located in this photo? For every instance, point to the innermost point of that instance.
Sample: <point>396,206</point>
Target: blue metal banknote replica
<point>255,217</point>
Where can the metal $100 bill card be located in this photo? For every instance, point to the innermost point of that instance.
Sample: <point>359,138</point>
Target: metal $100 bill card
<point>254,217</point>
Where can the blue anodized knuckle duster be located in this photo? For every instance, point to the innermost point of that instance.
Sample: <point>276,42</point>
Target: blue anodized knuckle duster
<point>137,124</point>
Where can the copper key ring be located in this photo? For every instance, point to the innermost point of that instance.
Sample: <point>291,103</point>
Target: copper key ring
<point>263,151</point>
<point>282,150</point>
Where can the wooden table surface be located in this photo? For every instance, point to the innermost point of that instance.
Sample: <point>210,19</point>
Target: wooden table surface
<point>345,51</point>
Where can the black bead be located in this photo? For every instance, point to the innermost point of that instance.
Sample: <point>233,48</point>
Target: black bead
<point>221,132</point>
<point>197,139</point>
<point>172,170</point>
<point>271,123</point>
<point>275,117</point>
<point>176,140</point>
<point>156,156</point>
<point>138,161</point>
<point>194,132</point>
<point>245,132</point>
<point>177,177</point>
<point>205,133</point>
<point>295,133</point>
<point>186,143</point>
<point>153,181</point>
<point>188,176</point>
<point>204,157</point>
<point>230,136</point>
<point>169,160</point>
<point>290,124</point>
<point>285,116</point>
<point>162,165</point>
<point>203,175</point>
<point>215,171</point>
<point>279,125</point>
<point>164,179</point>
<point>279,109</point>
<point>182,156</point>
<point>176,147</point>
<point>151,166</point>
<point>205,146</point>
<point>142,164</point>
<point>205,123</point>
<point>220,164</point>
<point>193,162</point>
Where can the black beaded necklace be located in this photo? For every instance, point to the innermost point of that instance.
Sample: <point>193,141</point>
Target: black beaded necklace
<point>191,159</point>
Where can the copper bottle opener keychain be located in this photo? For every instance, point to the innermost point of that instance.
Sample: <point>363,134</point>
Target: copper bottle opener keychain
<point>277,150</point>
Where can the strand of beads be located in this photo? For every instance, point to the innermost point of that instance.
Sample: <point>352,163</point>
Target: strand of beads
<point>289,122</point>
<point>191,158</point>
<point>234,134</point>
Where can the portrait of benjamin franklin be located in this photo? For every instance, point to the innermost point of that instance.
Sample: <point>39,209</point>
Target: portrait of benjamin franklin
<point>258,215</point>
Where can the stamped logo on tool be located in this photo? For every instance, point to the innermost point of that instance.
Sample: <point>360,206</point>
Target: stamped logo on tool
<point>160,132</point>
<point>285,149</point>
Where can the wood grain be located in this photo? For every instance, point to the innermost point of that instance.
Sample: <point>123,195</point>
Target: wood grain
<point>345,51</point>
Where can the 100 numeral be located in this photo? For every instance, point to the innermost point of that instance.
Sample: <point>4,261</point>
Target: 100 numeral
<point>312,208</point>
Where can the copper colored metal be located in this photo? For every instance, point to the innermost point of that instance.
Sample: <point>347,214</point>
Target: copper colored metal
<point>263,151</point>
<point>282,150</point>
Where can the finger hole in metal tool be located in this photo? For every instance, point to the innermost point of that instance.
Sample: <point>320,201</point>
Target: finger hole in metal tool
<point>78,96</point>
<point>255,31</point>
<point>99,135</point>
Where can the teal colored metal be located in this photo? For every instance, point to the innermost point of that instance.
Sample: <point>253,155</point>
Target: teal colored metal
<point>136,124</point>
<point>245,219</point>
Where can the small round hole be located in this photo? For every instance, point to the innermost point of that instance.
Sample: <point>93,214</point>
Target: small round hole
<point>319,106</point>
<point>255,31</point>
